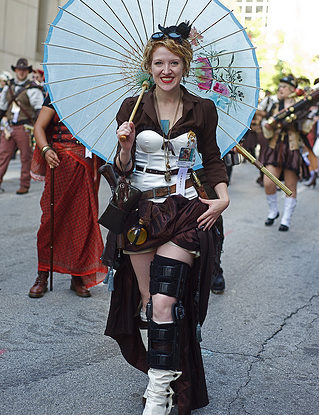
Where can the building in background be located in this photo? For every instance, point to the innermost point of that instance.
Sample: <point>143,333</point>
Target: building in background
<point>23,29</point>
<point>247,10</point>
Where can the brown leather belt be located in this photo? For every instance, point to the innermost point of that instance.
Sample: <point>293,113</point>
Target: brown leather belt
<point>158,192</point>
<point>16,124</point>
<point>153,171</point>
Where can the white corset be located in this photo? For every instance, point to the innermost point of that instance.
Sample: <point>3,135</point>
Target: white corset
<point>149,154</point>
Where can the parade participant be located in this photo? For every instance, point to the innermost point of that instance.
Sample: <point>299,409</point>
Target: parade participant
<point>311,144</point>
<point>167,277</point>
<point>77,238</point>
<point>311,159</point>
<point>264,107</point>
<point>283,155</point>
<point>20,102</point>
<point>5,77</point>
<point>38,78</point>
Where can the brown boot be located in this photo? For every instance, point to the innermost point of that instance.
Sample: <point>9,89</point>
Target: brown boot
<point>40,286</point>
<point>78,287</point>
<point>22,190</point>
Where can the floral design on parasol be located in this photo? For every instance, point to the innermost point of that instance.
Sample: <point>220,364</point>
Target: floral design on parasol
<point>93,54</point>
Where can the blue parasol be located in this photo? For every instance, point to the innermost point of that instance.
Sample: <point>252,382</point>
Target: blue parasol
<point>93,54</point>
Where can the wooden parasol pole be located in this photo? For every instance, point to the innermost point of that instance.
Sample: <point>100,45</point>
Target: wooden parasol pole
<point>145,86</point>
<point>262,168</point>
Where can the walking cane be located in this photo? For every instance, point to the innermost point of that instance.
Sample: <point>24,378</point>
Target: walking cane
<point>51,226</point>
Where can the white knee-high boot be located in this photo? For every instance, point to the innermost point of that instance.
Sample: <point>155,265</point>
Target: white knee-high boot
<point>290,204</point>
<point>272,206</point>
<point>159,394</point>
<point>154,387</point>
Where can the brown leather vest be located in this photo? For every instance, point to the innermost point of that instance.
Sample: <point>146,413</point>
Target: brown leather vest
<point>293,134</point>
<point>22,100</point>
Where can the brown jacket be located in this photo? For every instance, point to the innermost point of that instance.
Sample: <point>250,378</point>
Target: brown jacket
<point>199,115</point>
<point>294,138</point>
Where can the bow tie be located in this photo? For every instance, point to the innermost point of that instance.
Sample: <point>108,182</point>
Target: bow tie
<point>168,146</point>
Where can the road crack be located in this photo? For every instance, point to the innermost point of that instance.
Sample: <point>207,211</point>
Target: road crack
<point>208,352</point>
<point>258,357</point>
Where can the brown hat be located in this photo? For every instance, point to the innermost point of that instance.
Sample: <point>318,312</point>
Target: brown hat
<point>22,63</point>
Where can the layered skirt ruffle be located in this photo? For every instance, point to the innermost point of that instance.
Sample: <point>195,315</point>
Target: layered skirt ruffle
<point>281,156</point>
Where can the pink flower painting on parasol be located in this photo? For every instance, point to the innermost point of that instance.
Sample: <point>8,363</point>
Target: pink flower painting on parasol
<point>221,89</point>
<point>195,37</point>
<point>204,73</point>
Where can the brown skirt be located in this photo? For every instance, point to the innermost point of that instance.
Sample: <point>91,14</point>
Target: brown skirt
<point>173,220</point>
<point>284,158</point>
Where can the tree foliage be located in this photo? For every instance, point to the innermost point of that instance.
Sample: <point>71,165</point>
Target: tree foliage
<point>269,54</point>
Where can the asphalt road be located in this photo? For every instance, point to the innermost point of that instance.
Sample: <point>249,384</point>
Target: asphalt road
<point>260,339</point>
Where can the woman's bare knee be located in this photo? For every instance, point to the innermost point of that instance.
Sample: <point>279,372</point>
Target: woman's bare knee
<point>176,252</point>
<point>162,307</point>
<point>269,185</point>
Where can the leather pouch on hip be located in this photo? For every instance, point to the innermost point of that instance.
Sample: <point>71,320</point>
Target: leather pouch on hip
<point>125,199</point>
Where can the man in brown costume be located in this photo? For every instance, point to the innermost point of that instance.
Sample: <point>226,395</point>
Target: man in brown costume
<point>20,102</point>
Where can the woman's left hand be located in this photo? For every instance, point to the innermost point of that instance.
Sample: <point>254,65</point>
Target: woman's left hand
<point>215,209</point>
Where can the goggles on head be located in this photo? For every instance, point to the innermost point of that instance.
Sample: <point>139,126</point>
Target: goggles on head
<point>171,35</point>
<point>177,33</point>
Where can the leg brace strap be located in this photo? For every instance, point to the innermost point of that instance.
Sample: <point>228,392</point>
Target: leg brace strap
<point>168,277</point>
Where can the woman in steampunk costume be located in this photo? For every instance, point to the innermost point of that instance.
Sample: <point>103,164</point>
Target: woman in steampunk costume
<point>283,157</point>
<point>164,283</point>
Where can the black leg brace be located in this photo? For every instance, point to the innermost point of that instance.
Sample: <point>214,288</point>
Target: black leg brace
<point>168,277</point>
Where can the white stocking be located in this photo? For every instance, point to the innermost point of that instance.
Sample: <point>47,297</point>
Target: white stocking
<point>290,204</point>
<point>272,206</point>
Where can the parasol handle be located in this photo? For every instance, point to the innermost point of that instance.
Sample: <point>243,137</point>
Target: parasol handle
<point>145,86</point>
<point>262,168</point>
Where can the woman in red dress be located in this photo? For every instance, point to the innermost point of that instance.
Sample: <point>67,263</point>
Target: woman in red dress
<point>77,237</point>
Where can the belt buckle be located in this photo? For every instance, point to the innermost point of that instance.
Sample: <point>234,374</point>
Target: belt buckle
<point>154,190</point>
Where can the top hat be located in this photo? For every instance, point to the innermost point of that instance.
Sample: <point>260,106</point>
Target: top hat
<point>22,63</point>
<point>290,80</point>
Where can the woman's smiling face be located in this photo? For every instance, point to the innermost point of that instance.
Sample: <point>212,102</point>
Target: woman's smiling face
<point>167,69</point>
